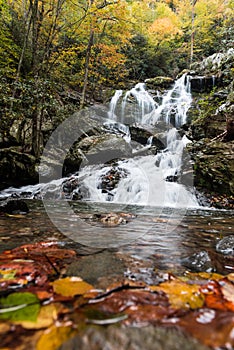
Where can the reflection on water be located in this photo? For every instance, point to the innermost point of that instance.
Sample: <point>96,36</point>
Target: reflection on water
<point>161,236</point>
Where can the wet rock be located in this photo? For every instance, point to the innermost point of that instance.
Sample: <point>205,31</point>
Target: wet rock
<point>199,261</point>
<point>214,167</point>
<point>69,185</point>
<point>80,193</point>
<point>226,245</point>
<point>110,180</point>
<point>17,168</point>
<point>15,207</point>
<point>140,338</point>
<point>94,267</point>
<point>95,149</point>
<point>105,148</point>
<point>172,178</point>
<point>113,219</point>
<point>204,83</point>
<point>159,82</point>
<point>142,135</point>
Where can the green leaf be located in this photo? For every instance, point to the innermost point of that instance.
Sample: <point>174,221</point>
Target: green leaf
<point>19,307</point>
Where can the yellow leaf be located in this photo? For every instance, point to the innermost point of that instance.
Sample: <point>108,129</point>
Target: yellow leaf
<point>202,276</point>
<point>71,286</point>
<point>181,295</point>
<point>53,337</point>
<point>7,274</point>
<point>17,216</point>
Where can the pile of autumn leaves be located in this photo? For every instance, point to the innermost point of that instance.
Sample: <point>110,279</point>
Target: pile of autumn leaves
<point>41,307</point>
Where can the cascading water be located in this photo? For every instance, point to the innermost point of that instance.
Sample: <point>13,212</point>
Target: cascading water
<point>150,179</point>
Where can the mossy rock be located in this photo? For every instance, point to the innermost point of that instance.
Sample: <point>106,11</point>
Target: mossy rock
<point>159,82</point>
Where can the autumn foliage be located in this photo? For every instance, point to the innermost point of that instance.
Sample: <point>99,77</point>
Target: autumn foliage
<point>38,299</point>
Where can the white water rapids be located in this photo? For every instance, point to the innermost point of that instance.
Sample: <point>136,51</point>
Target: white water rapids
<point>146,183</point>
<point>150,179</point>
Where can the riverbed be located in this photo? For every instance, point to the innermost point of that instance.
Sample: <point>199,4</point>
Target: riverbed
<point>164,239</point>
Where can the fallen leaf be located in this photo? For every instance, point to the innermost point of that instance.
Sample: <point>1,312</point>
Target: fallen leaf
<point>19,307</point>
<point>7,274</point>
<point>202,276</point>
<point>181,295</point>
<point>227,289</point>
<point>46,317</point>
<point>213,328</point>
<point>53,337</point>
<point>120,301</point>
<point>71,286</point>
<point>17,216</point>
<point>219,295</point>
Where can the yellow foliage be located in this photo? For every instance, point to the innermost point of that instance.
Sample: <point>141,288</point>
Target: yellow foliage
<point>181,295</point>
<point>53,337</point>
<point>164,29</point>
<point>71,286</point>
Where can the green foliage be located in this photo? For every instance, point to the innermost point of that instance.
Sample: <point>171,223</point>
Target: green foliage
<point>19,307</point>
<point>9,52</point>
<point>45,44</point>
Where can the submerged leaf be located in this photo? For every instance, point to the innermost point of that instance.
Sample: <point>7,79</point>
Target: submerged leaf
<point>45,318</point>
<point>19,307</point>
<point>53,337</point>
<point>71,286</point>
<point>7,274</point>
<point>181,295</point>
<point>219,295</point>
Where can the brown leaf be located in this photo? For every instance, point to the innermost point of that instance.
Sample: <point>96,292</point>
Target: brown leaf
<point>213,328</point>
<point>119,301</point>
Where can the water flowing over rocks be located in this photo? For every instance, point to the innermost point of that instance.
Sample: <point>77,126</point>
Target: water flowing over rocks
<point>135,125</point>
<point>213,71</point>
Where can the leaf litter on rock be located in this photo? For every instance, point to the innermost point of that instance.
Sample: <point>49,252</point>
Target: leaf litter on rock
<point>56,306</point>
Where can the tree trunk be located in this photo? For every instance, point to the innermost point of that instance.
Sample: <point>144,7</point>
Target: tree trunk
<point>86,74</point>
<point>87,61</point>
<point>193,31</point>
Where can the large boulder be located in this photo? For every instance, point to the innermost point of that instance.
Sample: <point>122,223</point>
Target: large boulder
<point>214,166</point>
<point>96,149</point>
<point>17,168</point>
<point>159,83</point>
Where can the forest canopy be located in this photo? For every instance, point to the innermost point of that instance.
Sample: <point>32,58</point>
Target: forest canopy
<point>48,46</point>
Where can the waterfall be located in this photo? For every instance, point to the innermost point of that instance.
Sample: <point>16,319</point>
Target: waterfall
<point>151,179</point>
<point>173,108</point>
<point>113,104</point>
<point>144,178</point>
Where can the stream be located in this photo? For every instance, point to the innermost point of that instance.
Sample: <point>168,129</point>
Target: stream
<point>165,243</point>
<point>159,220</point>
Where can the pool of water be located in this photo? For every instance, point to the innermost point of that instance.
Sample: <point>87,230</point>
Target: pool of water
<point>164,238</point>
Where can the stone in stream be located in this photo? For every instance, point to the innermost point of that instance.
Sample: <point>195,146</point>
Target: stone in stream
<point>92,268</point>
<point>14,207</point>
<point>199,261</point>
<point>113,219</point>
<point>129,338</point>
<point>226,245</point>
<point>110,180</point>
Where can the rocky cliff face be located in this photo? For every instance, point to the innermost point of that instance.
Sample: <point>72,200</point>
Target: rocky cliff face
<point>212,128</point>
